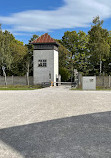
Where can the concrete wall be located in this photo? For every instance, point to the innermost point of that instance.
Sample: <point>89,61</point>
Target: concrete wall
<point>56,65</point>
<point>16,80</point>
<point>41,74</point>
<point>103,81</point>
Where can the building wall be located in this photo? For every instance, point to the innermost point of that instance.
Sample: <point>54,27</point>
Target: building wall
<point>56,65</point>
<point>41,74</point>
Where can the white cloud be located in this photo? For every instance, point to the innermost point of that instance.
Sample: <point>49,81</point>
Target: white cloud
<point>75,13</point>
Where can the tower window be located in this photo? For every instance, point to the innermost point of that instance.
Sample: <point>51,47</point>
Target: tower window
<point>42,63</point>
<point>49,76</point>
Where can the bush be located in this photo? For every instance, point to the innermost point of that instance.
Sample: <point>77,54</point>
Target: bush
<point>65,75</point>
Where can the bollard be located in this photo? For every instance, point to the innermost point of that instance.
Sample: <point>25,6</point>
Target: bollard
<point>51,84</point>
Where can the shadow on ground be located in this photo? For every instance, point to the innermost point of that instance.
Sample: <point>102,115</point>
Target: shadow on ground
<point>85,136</point>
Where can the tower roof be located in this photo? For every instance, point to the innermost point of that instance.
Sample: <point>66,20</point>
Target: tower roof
<point>44,39</point>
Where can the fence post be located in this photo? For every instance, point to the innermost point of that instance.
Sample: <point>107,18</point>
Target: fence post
<point>27,78</point>
<point>103,79</point>
<point>109,81</point>
<point>12,80</point>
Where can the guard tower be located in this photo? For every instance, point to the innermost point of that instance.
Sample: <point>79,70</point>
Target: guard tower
<point>45,60</point>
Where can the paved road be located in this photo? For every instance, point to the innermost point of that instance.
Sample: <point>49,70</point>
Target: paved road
<point>55,123</point>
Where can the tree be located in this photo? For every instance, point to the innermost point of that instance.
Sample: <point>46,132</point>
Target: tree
<point>19,51</point>
<point>28,58</point>
<point>65,75</point>
<point>98,42</point>
<point>70,41</point>
<point>33,38</point>
<point>12,52</point>
<point>76,44</point>
<point>5,55</point>
<point>63,61</point>
<point>81,58</point>
<point>107,60</point>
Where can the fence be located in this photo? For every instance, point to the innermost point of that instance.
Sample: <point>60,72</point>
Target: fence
<point>103,81</point>
<point>16,80</point>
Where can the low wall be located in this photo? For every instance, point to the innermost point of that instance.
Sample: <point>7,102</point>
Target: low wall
<point>103,81</point>
<point>16,80</point>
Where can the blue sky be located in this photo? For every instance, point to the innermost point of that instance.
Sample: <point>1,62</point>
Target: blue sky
<point>24,18</point>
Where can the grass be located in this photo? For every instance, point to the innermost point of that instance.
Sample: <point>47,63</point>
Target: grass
<point>97,88</point>
<point>19,87</point>
<point>79,89</point>
<point>102,88</point>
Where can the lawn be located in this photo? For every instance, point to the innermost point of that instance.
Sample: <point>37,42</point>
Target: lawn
<point>97,88</point>
<point>19,87</point>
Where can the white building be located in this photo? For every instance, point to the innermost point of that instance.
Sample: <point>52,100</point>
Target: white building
<point>45,60</point>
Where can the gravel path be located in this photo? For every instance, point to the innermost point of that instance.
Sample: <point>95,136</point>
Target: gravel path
<point>24,107</point>
<point>19,109</point>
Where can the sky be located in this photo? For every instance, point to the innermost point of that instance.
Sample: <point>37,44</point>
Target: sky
<point>24,18</point>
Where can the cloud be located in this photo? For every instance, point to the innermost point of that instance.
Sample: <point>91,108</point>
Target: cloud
<point>74,13</point>
<point>21,33</point>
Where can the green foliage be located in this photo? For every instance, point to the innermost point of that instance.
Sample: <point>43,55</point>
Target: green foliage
<point>76,43</point>
<point>14,55</point>
<point>65,75</point>
<point>12,51</point>
<point>20,87</point>
<point>64,62</point>
<point>18,51</point>
<point>63,55</point>
<point>33,38</point>
<point>88,53</point>
<point>98,43</point>
<point>28,58</point>
<point>30,46</point>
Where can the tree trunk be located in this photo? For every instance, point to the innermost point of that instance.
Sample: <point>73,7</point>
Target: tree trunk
<point>100,65</point>
<point>5,77</point>
<point>72,69</point>
<point>27,75</point>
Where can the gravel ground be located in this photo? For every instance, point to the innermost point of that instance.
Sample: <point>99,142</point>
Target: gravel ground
<point>25,119</point>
